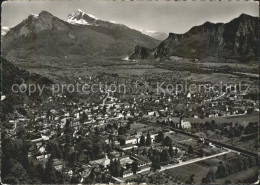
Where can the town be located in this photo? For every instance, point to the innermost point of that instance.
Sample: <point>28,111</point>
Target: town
<point>130,138</point>
<point>130,92</point>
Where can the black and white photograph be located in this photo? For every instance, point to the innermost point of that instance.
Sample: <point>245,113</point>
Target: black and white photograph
<point>129,92</point>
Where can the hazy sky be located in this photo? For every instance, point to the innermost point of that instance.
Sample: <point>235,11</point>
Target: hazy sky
<point>164,16</point>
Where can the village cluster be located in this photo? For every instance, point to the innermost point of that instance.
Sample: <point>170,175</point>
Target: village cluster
<point>118,138</point>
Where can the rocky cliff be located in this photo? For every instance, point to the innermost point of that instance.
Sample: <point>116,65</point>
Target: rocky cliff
<point>237,39</point>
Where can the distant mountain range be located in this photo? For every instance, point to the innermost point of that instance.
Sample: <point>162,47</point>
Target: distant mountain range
<point>45,37</point>
<point>237,39</point>
<point>155,34</point>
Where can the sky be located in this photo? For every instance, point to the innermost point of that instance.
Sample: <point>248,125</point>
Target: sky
<point>161,15</point>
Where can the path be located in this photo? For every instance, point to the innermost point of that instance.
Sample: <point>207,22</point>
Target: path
<point>191,161</point>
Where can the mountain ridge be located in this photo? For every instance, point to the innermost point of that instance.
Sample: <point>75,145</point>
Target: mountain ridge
<point>46,37</point>
<point>236,39</point>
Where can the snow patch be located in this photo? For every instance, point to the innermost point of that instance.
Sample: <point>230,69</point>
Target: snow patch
<point>113,22</point>
<point>126,58</point>
<point>81,21</point>
<point>77,18</point>
<point>92,16</point>
<point>34,15</point>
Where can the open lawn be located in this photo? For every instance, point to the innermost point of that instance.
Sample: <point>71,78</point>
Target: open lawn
<point>251,173</point>
<point>216,78</point>
<point>200,170</point>
<point>183,173</point>
<point>241,120</point>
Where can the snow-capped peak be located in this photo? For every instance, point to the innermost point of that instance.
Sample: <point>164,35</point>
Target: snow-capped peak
<point>80,17</point>
<point>79,10</point>
<point>34,15</point>
<point>4,30</point>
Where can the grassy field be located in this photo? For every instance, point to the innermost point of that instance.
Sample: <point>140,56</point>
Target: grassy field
<point>250,145</point>
<point>183,173</point>
<point>216,78</point>
<point>135,70</point>
<point>200,170</point>
<point>242,120</point>
<point>240,176</point>
<point>177,137</point>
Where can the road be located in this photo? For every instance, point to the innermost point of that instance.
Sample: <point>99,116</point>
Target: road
<point>118,180</point>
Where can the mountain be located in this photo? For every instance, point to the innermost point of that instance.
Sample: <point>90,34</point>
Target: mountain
<point>4,30</point>
<point>81,18</point>
<point>237,39</point>
<point>156,35</point>
<point>46,39</point>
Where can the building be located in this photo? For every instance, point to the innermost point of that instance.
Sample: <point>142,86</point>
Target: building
<point>127,173</point>
<point>57,164</point>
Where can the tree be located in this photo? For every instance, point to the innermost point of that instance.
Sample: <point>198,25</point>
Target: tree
<point>227,181</point>
<point>92,176</point>
<point>122,131</point>
<point>160,137</point>
<point>202,153</point>
<point>210,176</point>
<point>156,162</point>
<point>60,177</point>
<point>148,140</point>
<point>39,172</point>
<point>165,156</point>
<point>112,167</point>
<point>16,174</point>
<point>97,150</point>
<point>74,180</point>
<point>176,151</point>
<point>49,173</point>
<point>134,167</point>
<point>142,141</point>
<point>221,171</point>
<point>171,152</point>
<point>66,151</point>
<point>72,159</point>
<point>133,150</point>
<point>150,152</point>
<point>167,141</point>
<point>83,118</point>
<point>144,153</point>
<point>192,179</point>
<point>32,172</point>
<point>190,149</point>
<point>128,126</point>
<point>118,167</point>
<point>204,181</point>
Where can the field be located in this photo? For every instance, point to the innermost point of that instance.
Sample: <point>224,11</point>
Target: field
<point>241,119</point>
<point>216,78</point>
<point>183,173</point>
<point>62,71</point>
<point>249,173</point>
<point>177,137</point>
<point>200,170</point>
<point>139,127</point>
